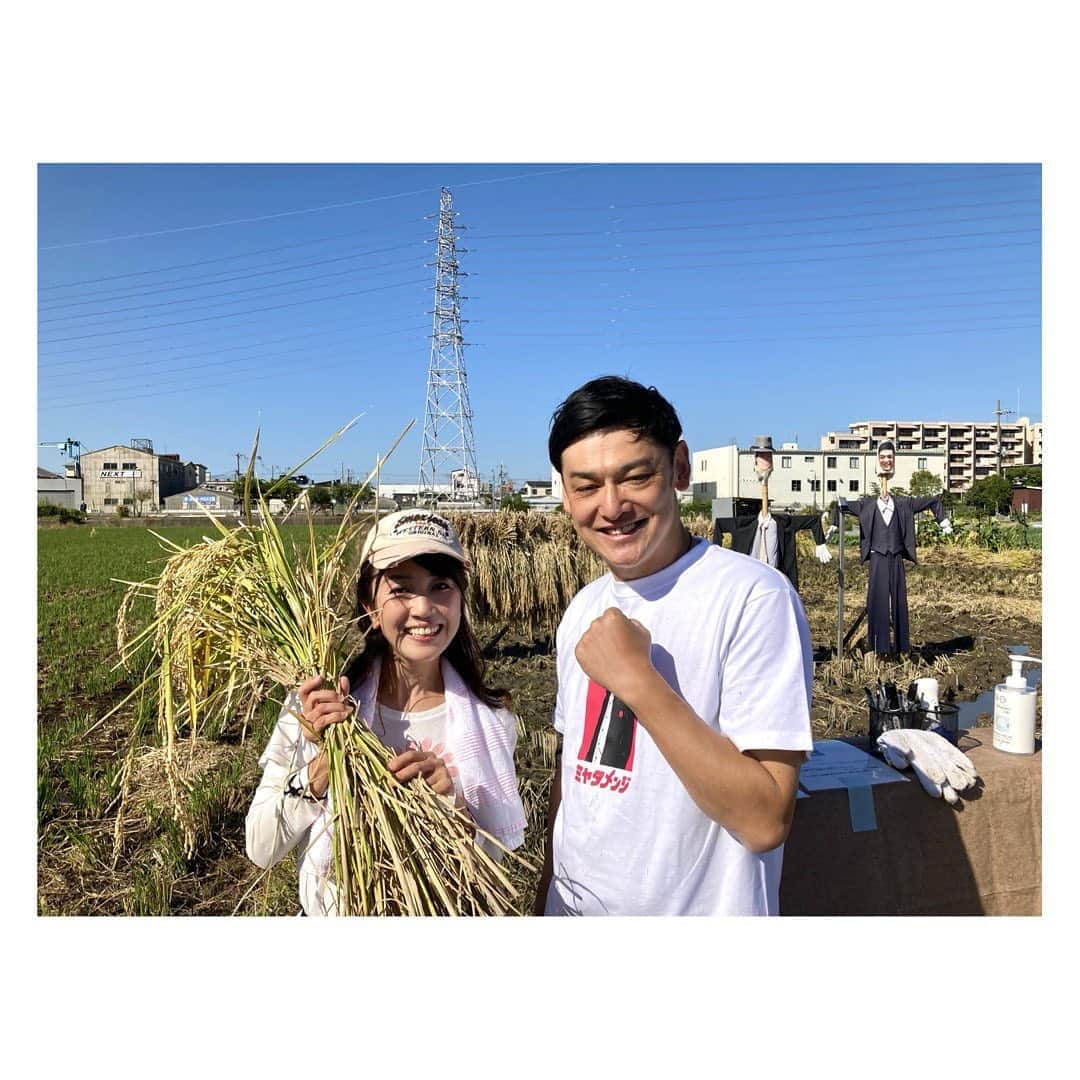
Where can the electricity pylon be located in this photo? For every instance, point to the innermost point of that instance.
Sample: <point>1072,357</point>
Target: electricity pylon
<point>448,453</point>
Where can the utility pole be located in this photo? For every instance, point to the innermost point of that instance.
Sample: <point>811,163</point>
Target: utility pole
<point>239,454</point>
<point>448,443</point>
<point>999,412</point>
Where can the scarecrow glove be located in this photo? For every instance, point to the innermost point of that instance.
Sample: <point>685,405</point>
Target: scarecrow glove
<point>946,526</point>
<point>822,553</point>
<point>937,764</point>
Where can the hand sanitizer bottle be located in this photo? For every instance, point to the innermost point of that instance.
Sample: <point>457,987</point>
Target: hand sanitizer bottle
<point>1014,710</point>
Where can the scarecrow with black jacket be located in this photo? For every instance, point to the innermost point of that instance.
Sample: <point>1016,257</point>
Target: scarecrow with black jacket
<point>886,539</point>
<point>766,535</point>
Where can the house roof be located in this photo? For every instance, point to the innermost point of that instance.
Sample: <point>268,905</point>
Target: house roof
<point>44,474</point>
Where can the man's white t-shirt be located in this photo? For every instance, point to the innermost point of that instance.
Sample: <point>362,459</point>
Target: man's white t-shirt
<point>729,635</point>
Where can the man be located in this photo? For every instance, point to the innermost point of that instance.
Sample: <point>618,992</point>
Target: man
<point>684,686</point>
<point>886,538</point>
<point>766,535</point>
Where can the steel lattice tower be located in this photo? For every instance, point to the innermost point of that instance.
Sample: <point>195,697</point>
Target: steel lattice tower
<point>448,448</point>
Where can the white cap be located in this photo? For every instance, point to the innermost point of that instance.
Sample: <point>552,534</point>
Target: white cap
<point>405,534</point>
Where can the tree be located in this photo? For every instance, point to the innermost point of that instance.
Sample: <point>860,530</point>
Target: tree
<point>319,496</point>
<point>991,495</point>
<point>695,507</point>
<point>142,496</point>
<point>286,490</point>
<point>924,482</point>
<point>513,501</point>
<point>1030,475</point>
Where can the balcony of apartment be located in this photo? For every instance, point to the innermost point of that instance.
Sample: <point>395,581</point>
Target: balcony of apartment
<point>881,432</point>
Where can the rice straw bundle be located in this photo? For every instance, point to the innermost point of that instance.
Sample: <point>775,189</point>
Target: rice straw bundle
<point>238,615</point>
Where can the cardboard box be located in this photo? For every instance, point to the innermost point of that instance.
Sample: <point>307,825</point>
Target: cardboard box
<point>982,857</point>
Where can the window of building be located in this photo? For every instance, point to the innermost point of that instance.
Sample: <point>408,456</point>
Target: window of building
<point>830,463</point>
<point>815,485</point>
<point>785,463</point>
<point>129,502</point>
<point>704,464</point>
<point>853,485</point>
<point>111,502</point>
<point>110,465</point>
<point>808,459</point>
<point>852,462</point>
<point>922,463</point>
<point>830,485</point>
<point>129,465</point>
<point>796,485</point>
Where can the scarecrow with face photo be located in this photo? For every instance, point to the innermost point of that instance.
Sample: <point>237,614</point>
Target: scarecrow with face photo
<point>768,536</point>
<point>886,539</point>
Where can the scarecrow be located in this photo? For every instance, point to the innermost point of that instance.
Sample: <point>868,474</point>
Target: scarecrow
<point>886,538</point>
<point>768,536</point>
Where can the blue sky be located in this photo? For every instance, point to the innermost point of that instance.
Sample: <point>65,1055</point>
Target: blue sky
<point>191,304</point>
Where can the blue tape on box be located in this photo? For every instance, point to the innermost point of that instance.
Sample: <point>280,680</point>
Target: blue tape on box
<point>861,804</point>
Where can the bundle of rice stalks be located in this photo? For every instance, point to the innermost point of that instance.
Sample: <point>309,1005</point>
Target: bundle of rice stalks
<point>239,615</point>
<point>526,567</point>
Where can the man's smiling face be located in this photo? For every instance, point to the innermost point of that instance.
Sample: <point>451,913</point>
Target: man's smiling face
<point>620,491</point>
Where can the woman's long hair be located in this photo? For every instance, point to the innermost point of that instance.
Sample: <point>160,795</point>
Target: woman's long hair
<point>463,652</point>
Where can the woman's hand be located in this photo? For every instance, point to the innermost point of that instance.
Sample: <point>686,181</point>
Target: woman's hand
<point>321,708</point>
<point>413,763</point>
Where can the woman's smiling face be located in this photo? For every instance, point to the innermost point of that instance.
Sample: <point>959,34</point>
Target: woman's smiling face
<point>418,612</point>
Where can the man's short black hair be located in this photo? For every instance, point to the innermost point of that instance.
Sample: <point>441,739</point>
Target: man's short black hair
<point>886,444</point>
<point>611,403</point>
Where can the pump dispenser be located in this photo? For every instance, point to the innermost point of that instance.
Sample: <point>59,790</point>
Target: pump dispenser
<point>1014,709</point>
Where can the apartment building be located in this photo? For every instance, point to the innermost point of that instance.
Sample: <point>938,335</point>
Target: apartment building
<point>1035,441</point>
<point>969,450</point>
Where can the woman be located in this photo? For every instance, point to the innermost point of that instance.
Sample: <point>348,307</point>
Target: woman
<point>418,685</point>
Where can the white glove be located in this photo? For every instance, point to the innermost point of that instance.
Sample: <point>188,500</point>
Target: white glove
<point>822,552</point>
<point>829,533</point>
<point>946,526</point>
<point>940,767</point>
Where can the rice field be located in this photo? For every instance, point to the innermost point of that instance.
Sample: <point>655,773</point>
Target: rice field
<point>99,854</point>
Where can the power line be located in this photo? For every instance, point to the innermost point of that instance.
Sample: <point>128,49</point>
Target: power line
<point>751,265</point>
<point>803,193</point>
<point>700,226</point>
<point>301,282</point>
<point>218,349</point>
<point>126,374</point>
<point>273,373</point>
<point>209,279</point>
<point>304,210</point>
<point>230,258</point>
<point>252,311</point>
